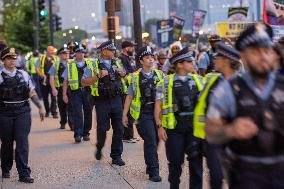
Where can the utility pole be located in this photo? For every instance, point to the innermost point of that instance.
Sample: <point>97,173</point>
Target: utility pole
<point>35,27</point>
<point>51,23</point>
<point>241,3</point>
<point>110,8</point>
<point>258,10</point>
<point>137,23</point>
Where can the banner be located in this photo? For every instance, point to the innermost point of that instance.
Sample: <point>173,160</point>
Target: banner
<point>198,17</point>
<point>273,14</point>
<point>178,26</point>
<point>165,32</point>
<point>232,29</point>
<point>238,14</point>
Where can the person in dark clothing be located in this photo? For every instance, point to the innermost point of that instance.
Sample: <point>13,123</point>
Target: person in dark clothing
<point>42,68</point>
<point>129,66</point>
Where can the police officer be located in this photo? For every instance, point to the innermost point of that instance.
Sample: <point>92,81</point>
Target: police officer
<point>79,95</point>
<point>70,46</point>
<point>42,68</point>
<point>206,64</point>
<point>106,79</point>
<point>176,97</point>
<point>16,88</point>
<point>227,63</point>
<point>246,115</point>
<point>31,69</point>
<point>140,100</point>
<point>128,62</point>
<point>56,83</point>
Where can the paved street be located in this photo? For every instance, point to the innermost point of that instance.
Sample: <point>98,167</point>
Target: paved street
<point>58,163</point>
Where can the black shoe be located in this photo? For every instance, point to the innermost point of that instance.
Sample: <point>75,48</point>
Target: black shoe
<point>62,126</point>
<point>156,178</point>
<point>86,138</point>
<point>118,162</point>
<point>46,114</point>
<point>55,116</point>
<point>78,139</point>
<point>26,179</point>
<point>6,175</point>
<point>98,154</point>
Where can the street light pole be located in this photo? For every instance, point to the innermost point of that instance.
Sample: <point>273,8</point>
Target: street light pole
<point>137,23</point>
<point>51,23</point>
<point>35,27</point>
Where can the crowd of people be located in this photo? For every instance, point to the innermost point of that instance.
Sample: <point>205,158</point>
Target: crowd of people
<point>224,103</point>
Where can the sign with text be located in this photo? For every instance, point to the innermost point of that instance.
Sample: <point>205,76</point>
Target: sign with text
<point>165,32</point>
<point>232,29</point>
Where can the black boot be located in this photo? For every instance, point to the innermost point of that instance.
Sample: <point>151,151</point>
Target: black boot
<point>26,179</point>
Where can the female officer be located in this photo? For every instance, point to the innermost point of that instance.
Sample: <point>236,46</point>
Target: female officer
<point>15,115</point>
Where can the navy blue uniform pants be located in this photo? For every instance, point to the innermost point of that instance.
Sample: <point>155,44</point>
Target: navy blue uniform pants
<point>35,79</point>
<point>214,165</point>
<point>243,176</point>
<point>45,92</point>
<point>146,128</point>
<point>15,126</point>
<point>110,110</point>
<point>128,131</point>
<point>178,144</point>
<point>82,112</point>
<point>65,110</point>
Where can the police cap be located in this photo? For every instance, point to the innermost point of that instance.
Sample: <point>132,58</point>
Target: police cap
<point>108,45</point>
<point>144,51</point>
<point>9,52</point>
<point>182,55</point>
<point>256,35</point>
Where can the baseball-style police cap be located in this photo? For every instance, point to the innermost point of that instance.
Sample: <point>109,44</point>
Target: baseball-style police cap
<point>144,51</point>
<point>182,55</point>
<point>214,38</point>
<point>257,35</point>
<point>108,45</point>
<point>63,50</point>
<point>227,51</point>
<point>9,52</point>
<point>79,49</point>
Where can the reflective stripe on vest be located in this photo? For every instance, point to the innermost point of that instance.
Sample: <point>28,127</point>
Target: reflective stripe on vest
<point>42,62</point>
<point>118,64</point>
<point>56,78</point>
<point>135,105</point>
<point>200,109</point>
<point>208,76</point>
<point>31,67</point>
<point>94,87</point>
<point>73,76</point>
<point>168,116</point>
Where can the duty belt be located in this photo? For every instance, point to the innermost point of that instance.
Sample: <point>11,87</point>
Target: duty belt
<point>271,160</point>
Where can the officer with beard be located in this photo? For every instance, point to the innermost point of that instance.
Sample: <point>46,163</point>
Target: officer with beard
<point>245,115</point>
<point>129,66</point>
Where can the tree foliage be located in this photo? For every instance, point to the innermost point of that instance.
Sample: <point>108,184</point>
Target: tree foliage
<point>76,35</point>
<point>18,25</point>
